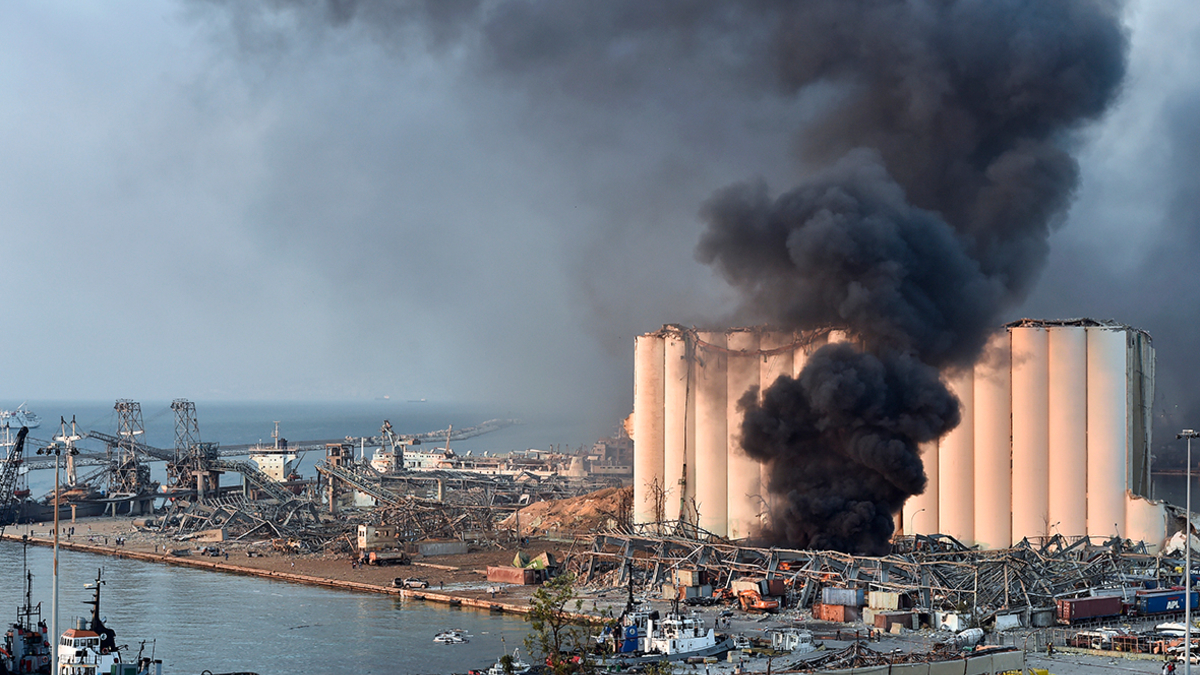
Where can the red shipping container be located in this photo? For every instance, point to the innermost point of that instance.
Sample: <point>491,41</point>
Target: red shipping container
<point>776,587</point>
<point>1071,610</point>
<point>884,620</point>
<point>839,613</point>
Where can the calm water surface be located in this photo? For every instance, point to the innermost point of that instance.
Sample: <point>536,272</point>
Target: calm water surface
<point>195,620</point>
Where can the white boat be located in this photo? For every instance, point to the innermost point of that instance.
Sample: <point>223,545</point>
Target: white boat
<point>519,667</point>
<point>454,636</point>
<point>645,638</point>
<point>21,417</point>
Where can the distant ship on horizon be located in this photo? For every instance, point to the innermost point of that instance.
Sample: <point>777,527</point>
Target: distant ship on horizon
<point>21,417</point>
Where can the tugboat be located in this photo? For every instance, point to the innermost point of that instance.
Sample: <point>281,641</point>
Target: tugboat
<point>639,636</point>
<point>27,642</point>
<point>92,649</point>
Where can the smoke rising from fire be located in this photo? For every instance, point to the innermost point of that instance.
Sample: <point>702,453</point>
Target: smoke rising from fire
<point>933,142</point>
<point>949,163</point>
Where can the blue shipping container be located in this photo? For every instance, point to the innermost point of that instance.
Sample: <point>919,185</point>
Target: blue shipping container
<point>847,597</point>
<point>1163,601</point>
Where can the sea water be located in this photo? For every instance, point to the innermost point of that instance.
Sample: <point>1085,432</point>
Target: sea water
<point>197,620</point>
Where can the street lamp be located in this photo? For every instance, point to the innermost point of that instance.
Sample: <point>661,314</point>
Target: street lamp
<point>63,443</point>
<point>1187,556</point>
<point>912,522</point>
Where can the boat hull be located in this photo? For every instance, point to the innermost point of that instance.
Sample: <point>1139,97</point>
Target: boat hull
<point>719,648</point>
<point>36,512</point>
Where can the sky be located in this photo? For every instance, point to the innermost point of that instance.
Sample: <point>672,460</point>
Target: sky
<point>312,201</point>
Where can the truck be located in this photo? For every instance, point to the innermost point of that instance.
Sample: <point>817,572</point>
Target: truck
<point>386,558</point>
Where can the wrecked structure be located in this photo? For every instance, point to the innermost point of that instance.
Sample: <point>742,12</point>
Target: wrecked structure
<point>939,583</point>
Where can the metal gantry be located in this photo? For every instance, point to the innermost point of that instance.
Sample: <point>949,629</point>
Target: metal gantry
<point>129,475</point>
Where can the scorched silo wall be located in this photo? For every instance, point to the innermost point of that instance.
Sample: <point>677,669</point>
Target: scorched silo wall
<point>712,486</point>
<point>745,502</point>
<point>647,426</point>
<point>1107,427</point>
<point>678,409</point>
<point>1068,430</point>
<point>993,444</point>
<point>1030,432</point>
<point>920,512</point>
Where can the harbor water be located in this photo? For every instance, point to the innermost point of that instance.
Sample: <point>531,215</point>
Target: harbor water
<point>196,620</point>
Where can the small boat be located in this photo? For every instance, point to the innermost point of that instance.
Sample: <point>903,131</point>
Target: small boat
<point>519,667</point>
<point>455,636</point>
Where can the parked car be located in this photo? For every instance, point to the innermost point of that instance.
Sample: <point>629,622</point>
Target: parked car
<point>410,582</point>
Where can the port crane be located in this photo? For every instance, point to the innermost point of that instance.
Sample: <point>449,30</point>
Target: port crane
<point>8,480</point>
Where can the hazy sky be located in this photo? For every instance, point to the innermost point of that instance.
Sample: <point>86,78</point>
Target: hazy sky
<point>206,201</point>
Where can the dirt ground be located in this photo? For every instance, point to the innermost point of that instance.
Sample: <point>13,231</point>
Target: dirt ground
<point>465,576</point>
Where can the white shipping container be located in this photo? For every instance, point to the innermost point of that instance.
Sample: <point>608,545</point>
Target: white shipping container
<point>884,600</point>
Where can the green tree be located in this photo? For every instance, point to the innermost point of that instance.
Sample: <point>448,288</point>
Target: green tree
<point>558,639</point>
<point>658,668</point>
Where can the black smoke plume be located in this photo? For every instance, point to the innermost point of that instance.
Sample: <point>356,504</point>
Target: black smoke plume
<point>841,440</point>
<point>949,164</point>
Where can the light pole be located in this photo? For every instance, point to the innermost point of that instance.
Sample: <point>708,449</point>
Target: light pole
<point>57,450</point>
<point>1187,556</point>
<point>912,522</point>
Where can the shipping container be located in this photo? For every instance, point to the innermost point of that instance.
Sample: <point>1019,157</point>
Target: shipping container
<point>850,597</point>
<point>839,613</point>
<point>885,620</point>
<point>746,584</point>
<point>687,577</point>
<point>514,575</point>
<point>883,600</point>
<point>776,587</point>
<point>1161,602</point>
<point>1071,610</point>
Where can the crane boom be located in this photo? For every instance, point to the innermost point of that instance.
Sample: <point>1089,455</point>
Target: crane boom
<point>8,480</point>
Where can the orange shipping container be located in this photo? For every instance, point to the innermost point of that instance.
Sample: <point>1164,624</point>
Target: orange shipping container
<point>513,575</point>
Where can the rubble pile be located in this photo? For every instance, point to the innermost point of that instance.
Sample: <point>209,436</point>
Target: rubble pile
<point>938,574</point>
<point>295,522</point>
<point>591,512</point>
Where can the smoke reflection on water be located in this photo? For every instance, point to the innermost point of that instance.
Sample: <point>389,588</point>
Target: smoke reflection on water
<point>196,620</point>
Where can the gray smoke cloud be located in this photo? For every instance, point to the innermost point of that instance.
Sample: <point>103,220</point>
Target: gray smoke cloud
<point>929,143</point>
<point>951,164</point>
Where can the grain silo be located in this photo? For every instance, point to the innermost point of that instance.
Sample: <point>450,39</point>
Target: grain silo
<point>1054,436</point>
